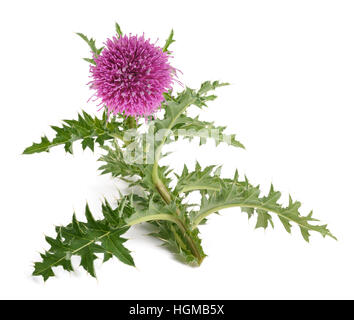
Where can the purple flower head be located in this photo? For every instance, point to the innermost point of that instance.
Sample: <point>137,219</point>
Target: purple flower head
<point>131,75</point>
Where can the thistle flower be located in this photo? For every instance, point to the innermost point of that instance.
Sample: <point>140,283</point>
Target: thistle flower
<point>131,75</point>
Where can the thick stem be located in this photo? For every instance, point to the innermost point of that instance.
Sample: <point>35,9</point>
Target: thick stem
<point>131,122</point>
<point>179,223</point>
<point>165,195</point>
<point>164,192</point>
<point>191,243</point>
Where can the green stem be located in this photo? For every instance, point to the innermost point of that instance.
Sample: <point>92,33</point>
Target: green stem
<point>155,217</point>
<point>159,185</point>
<point>178,222</point>
<point>164,192</point>
<point>165,195</point>
<point>203,215</point>
<point>131,122</point>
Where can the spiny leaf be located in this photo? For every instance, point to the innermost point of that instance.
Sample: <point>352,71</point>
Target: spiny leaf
<point>136,174</point>
<point>202,97</point>
<point>172,238</point>
<point>208,86</point>
<point>236,193</point>
<point>189,128</point>
<point>89,129</point>
<point>88,142</point>
<point>43,146</point>
<point>176,124</point>
<point>153,212</point>
<point>169,41</point>
<point>263,219</point>
<point>174,109</point>
<point>200,179</point>
<point>164,217</point>
<point>86,239</point>
<point>114,245</point>
<point>89,60</point>
<point>116,165</point>
<point>118,30</point>
<point>91,42</point>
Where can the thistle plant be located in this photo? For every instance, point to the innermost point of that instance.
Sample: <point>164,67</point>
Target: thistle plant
<point>132,80</point>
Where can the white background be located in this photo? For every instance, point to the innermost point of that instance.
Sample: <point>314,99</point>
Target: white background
<point>291,102</point>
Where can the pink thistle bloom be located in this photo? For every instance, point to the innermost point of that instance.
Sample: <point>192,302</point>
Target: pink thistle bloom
<point>131,75</point>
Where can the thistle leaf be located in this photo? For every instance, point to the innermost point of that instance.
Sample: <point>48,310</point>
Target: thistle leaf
<point>89,129</point>
<point>89,60</point>
<point>136,174</point>
<point>190,128</point>
<point>236,193</point>
<point>86,239</point>
<point>118,30</point>
<point>169,228</point>
<point>177,124</point>
<point>172,239</point>
<point>208,86</point>
<point>43,146</point>
<point>197,180</point>
<point>169,41</point>
<point>91,43</point>
<point>155,211</point>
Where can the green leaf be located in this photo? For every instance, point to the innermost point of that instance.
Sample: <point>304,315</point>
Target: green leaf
<point>170,228</point>
<point>89,60</point>
<point>190,128</point>
<point>176,124</point>
<point>236,193</point>
<point>153,212</point>
<point>91,42</point>
<point>197,180</point>
<point>118,30</point>
<point>263,219</point>
<point>202,97</point>
<point>86,239</point>
<point>43,146</point>
<point>88,142</point>
<point>209,86</point>
<point>114,245</point>
<point>174,109</point>
<point>169,41</point>
<point>172,239</point>
<point>116,165</point>
<point>86,128</point>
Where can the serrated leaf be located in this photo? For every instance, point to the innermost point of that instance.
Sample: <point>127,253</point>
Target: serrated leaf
<point>172,238</point>
<point>197,180</point>
<point>91,42</point>
<point>88,142</point>
<point>189,128</point>
<point>208,86</point>
<point>118,30</point>
<point>92,61</point>
<point>176,124</point>
<point>153,212</point>
<point>114,246</point>
<point>264,219</point>
<point>86,128</point>
<point>169,41</point>
<point>85,239</point>
<point>43,146</point>
<point>236,193</point>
